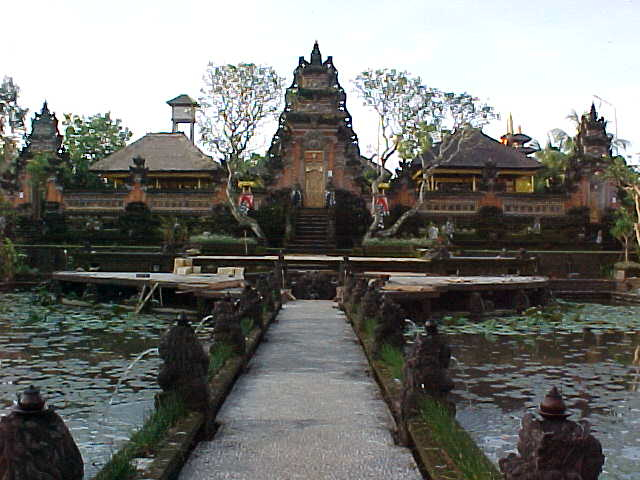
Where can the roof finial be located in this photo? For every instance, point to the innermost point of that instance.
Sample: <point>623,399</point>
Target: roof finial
<point>45,107</point>
<point>316,57</point>
<point>510,124</point>
<point>593,114</point>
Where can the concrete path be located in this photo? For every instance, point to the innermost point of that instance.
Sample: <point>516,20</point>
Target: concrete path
<point>305,410</point>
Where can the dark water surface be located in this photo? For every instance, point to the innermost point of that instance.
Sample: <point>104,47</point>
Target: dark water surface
<point>499,377</point>
<point>76,357</point>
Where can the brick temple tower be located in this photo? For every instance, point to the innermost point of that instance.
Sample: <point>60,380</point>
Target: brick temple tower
<point>593,150</point>
<point>315,147</point>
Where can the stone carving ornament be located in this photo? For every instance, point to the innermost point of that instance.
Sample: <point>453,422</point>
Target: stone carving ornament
<point>185,366</point>
<point>314,140</point>
<point>36,444</point>
<point>554,448</point>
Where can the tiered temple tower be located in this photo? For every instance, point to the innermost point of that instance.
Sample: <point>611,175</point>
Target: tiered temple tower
<point>315,147</point>
<point>593,154</point>
<point>45,138</point>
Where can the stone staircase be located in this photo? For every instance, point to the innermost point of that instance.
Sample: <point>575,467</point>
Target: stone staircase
<point>312,233</point>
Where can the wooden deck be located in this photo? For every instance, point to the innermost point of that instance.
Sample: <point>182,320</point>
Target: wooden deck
<point>422,286</point>
<point>167,280</point>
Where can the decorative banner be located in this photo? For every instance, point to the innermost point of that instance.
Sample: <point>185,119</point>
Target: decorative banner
<point>382,204</point>
<point>246,201</point>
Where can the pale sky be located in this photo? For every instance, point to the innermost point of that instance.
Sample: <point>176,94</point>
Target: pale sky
<point>538,60</point>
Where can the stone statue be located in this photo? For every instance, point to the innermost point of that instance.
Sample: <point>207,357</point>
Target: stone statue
<point>371,299</point>
<point>185,366</point>
<point>263,286</point>
<point>227,328</point>
<point>250,306</point>
<point>358,292</point>
<point>314,286</point>
<point>554,448</point>
<point>36,444</point>
<point>390,325</point>
<point>426,370</point>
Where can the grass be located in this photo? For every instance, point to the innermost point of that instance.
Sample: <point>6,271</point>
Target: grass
<point>246,325</point>
<point>369,326</point>
<point>143,441</point>
<point>460,447</point>
<point>218,356</point>
<point>393,359</point>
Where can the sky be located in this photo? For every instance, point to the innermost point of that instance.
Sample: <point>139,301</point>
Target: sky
<point>537,61</point>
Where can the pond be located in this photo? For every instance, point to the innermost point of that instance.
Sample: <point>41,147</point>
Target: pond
<point>506,366</point>
<point>76,357</point>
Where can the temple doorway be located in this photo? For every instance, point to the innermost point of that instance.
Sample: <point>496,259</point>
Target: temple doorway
<point>314,179</point>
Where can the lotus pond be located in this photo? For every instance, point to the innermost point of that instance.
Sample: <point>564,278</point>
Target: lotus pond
<point>590,351</point>
<point>77,356</point>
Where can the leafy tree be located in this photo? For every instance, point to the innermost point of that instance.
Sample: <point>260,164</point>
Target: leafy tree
<point>628,179</point>
<point>623,229</point>
<point>88,139</point>
<point>410,116</point>
<point>555,162</point>
<point>235,101</point>
<point>12,118</point>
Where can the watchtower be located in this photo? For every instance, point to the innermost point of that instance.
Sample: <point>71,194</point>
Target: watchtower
<point>183,110</point>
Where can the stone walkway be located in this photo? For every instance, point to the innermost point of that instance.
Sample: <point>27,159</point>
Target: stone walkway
<point>306,409</point>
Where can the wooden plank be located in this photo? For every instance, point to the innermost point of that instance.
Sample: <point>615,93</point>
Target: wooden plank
<point>143,303</point>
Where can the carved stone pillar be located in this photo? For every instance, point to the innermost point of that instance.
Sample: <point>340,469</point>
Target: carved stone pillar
<point>554,448</point>
<point>35,443</point>
<point>185,366</point>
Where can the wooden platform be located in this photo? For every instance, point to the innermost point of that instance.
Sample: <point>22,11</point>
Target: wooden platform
<point>168,280</point>
<point>423,286</point>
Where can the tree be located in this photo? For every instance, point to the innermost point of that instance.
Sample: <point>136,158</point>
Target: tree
<point>88,139</point>
<point>623,229</point>
<point>12,118</point>
<point>628,179</point>
<point>410,116</point>
<point>555,162</point>
<point>235,101</point>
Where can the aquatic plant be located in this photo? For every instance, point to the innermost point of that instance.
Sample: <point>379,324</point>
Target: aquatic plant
<point>563,317</point>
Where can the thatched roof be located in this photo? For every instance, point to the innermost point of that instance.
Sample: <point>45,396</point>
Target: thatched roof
<point>182,100</point>
<point>480,148</point>
<point>162,152</point>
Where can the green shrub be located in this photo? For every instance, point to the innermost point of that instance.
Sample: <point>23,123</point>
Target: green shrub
<point>221,239</point>
<point>352,218</point>
<point>411,226</point>
<point>272,216</point>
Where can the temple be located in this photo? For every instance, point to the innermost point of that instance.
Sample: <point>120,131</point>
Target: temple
<point>315,146</point>
<point>315,152</point>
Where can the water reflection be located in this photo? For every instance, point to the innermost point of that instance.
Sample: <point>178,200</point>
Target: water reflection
<point>76,357</point>
<point>499,378</point>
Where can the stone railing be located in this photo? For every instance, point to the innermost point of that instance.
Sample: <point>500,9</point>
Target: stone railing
<point>90,201</point>
<point>451,204</point>
<point>195,201</point>
<point>532,205</point>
